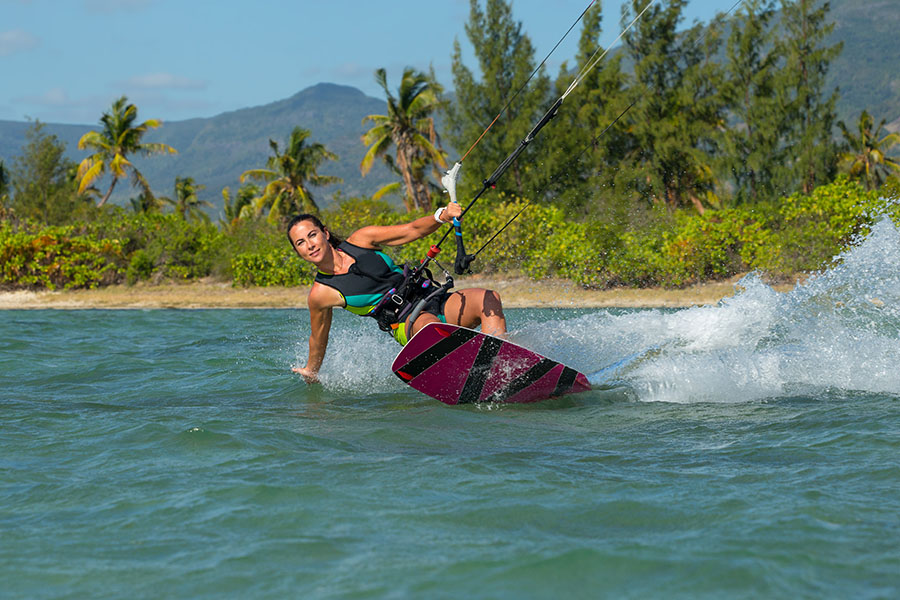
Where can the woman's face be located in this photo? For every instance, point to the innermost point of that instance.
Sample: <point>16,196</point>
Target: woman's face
<point>310,242</point>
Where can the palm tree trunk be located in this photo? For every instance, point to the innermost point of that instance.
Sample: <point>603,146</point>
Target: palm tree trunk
<point>697,204</point>
<point>405,167</point>
<point>423,200</point>
<point>108,192</point>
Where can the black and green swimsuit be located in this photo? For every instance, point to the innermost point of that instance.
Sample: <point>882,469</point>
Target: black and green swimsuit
<point>366,282</point>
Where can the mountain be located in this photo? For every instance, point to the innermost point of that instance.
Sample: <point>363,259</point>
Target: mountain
<point>215,151</point>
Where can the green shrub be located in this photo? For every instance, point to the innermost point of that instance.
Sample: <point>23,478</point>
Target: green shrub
<point>800,232</point>
<point>178,249</point>
<point>812,229</point>
<point>275,267</point>
<point>55,257</point>
<point>140,267</point>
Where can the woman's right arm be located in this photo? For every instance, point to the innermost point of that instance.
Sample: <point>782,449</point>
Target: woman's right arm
<point>320,313</point>
<point>375,236</point>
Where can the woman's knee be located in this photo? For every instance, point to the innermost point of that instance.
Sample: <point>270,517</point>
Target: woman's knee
<point>421,321</point>
<point>493,305</point>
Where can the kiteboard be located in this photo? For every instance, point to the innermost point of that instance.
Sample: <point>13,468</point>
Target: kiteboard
<point>457,365</point>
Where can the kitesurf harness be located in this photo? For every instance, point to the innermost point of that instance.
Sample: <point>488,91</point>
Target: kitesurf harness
<point>374,286</point>
<point>409,298</point>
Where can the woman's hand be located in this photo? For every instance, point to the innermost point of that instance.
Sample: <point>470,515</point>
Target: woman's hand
<point>450,212</point>
<point>309,375</point>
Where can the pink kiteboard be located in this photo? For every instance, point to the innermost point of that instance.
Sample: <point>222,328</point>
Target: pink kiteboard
<point>457,365</point>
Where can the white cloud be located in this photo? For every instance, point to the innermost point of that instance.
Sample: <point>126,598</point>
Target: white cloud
<point>164,81</point>
<point>16,40</point>
<point>57,106</point>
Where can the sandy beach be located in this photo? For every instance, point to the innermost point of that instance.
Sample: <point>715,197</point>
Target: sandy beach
<point>516,293</point>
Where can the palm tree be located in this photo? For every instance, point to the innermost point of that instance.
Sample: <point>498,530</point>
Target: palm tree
<point>112,145</point>
<point>146,203</point>
<point>241,207</point>
<point>187,203</point>
<point>866,159</point>
<point>409,128</point>
<point>289,176</point>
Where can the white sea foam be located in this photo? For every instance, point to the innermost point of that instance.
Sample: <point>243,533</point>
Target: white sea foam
<point>838,330</point>
<point>359,357</point>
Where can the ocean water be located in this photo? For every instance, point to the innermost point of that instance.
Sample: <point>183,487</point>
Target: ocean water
<point>744,450</point>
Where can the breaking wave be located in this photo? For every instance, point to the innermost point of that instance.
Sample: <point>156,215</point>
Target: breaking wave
<point>839,330</point>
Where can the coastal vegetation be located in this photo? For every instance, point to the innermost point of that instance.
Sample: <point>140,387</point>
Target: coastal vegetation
<point>687,157</point>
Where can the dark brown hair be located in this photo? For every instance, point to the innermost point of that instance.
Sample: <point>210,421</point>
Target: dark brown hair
<point>334,240</point>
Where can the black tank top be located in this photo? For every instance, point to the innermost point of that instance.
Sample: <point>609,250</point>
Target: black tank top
<point>364,285</point>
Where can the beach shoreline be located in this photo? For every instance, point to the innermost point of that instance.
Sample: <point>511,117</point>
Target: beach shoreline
<point>516,292</point>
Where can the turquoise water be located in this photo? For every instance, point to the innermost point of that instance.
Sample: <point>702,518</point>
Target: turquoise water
<point>749,449</point>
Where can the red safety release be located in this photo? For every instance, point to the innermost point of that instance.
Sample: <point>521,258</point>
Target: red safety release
<point>433,251</point>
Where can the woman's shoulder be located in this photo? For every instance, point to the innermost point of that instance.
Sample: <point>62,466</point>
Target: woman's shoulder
<point>366,238</point>
<point>323,296</point>
<point>349,247</point>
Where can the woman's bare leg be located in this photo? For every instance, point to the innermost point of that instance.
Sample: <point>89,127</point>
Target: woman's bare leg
<point>476,306</point>
<point>469,308</point>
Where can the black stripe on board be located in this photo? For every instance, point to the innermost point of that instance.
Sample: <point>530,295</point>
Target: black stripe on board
<point>437,351</point>
<point>566,381</point>
<point>520,383</point>
<point>480,370</point>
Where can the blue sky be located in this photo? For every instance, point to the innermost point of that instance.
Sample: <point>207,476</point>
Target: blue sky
<point>65,61</point>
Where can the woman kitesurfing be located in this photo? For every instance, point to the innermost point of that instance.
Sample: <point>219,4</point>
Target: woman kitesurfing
<point>355,275</point>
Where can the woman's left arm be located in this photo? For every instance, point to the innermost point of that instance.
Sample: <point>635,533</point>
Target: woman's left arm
<point>374,236</point>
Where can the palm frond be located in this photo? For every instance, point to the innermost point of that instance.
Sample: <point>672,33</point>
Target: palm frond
<point>375,150</point>
<point>157,148</point>
<point>426,146</point>
<point>378,120</point>
<point>376,134</point>
<point>118,165</point>
<point>390,188</point>
<point>138,180</point>
<point>381,80</point>
<point>258,174</point>
<point>88,172</point>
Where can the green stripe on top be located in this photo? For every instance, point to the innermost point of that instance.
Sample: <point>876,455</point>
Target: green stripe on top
<point>362,304</point>
<point>390,263</point>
